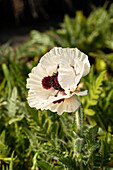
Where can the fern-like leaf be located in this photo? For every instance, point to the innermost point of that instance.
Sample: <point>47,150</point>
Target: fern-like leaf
<point>95,90</point>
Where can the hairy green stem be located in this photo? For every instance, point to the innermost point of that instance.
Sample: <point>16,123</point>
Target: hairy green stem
<point>79,120</point>
<point>79,126</point>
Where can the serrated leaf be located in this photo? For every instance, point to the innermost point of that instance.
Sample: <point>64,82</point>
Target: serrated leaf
<point>100,79</point>
<point>79,142</point>
<point>95,90</point>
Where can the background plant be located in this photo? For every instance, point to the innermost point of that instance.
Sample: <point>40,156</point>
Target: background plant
<point>31,138</point>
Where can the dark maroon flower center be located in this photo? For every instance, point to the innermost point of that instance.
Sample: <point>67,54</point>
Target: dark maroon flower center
<point>51,81</point>
<point>54,82</point>
<point>46,82</point>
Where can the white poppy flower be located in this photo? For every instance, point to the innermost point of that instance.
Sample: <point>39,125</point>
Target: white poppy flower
<point>53,82</point>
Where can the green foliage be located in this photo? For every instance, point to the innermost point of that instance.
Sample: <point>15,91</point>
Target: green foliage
<point>5,53</point>
<point>4,150</point>
<point>6,162</point>
<point>30,138</point>
<point>95,88</point>
<point>35,47</point>
<point>82,32</point>
<point>87,34</point>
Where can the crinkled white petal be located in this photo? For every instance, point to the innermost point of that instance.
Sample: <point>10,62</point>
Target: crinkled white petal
<point>70,56</point>
<point>83,58</point>
<point>79,69</point>
<point>80,93</point>
<point>65,56</point>
<point>70,104</point>
<point>69,76</point>
<point>37,94</point>
<point>66,77</point>
<point>50,61</point>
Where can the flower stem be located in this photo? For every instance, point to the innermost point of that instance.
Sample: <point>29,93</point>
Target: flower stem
<point>79,125</point>
<point>79,121</point>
